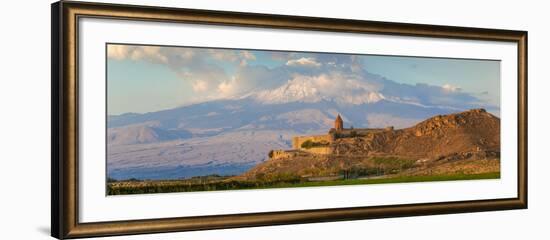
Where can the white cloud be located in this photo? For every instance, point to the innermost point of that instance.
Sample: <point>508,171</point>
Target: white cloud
<point>193,65</point>
<point>227,88</point>
<point>172,57</point>
<point>248,79</point>
<point>150,53</point>
<point>450,88</point>
<point>190,64</point>
<point>200,86</point>
<point>224,55</point>
<point>304,61</point>
<point>232,55</point>
<point>117,52</point>
<point>205,78</point>
<point>245,57</point>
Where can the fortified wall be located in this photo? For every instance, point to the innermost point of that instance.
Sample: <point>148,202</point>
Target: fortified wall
<point>297,141</point>
<point>360,132</point>
<point>275,154</point>
<point>318,150</point>
<point>322,143</point>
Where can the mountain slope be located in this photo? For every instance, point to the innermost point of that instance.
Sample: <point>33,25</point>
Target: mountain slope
<point>143,133</point>
<point>228,115</point>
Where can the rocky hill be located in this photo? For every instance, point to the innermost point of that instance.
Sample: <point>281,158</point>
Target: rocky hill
<point>439,136</point>
<point>467,136</point>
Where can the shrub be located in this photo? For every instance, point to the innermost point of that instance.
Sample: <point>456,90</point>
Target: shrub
<point>307,144</point>
<point>260,176</point>
<point>311,144</point>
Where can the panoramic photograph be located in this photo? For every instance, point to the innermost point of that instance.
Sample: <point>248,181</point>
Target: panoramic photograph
<point>186,119</point>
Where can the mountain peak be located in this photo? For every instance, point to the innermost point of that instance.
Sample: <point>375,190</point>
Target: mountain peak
<point>310,91</point>
<point>290,92</point>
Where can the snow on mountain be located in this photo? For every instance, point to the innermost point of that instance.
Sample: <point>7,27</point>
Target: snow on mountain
<point>321,88</point>
<point>293,91</point>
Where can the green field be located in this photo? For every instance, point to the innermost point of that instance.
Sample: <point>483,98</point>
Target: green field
<point>143,187</point>
<point>399,179</point>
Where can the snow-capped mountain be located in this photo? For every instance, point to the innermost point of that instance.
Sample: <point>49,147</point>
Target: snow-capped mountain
<point>231,135</point>
<point>315,89</point>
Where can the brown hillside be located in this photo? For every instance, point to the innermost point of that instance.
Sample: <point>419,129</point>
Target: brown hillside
<point>472,131</point>
<point>469,135</point>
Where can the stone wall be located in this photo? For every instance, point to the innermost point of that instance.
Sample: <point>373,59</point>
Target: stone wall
<point>297,141</point>
<point>361,132</point>
<point>279,153</point>
<point>318,150</point>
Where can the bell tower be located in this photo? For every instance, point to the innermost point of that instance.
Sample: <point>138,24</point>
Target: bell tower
<point>338,123</point>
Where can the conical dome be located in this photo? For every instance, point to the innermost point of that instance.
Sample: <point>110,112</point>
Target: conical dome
<point>338,123</point>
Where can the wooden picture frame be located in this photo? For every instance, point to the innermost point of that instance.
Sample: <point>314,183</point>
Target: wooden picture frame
<point>65,119</point>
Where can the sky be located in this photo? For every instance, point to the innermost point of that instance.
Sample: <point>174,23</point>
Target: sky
<point>151,78</point>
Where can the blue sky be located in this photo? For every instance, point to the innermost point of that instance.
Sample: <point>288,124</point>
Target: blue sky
<point>149,78</point>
